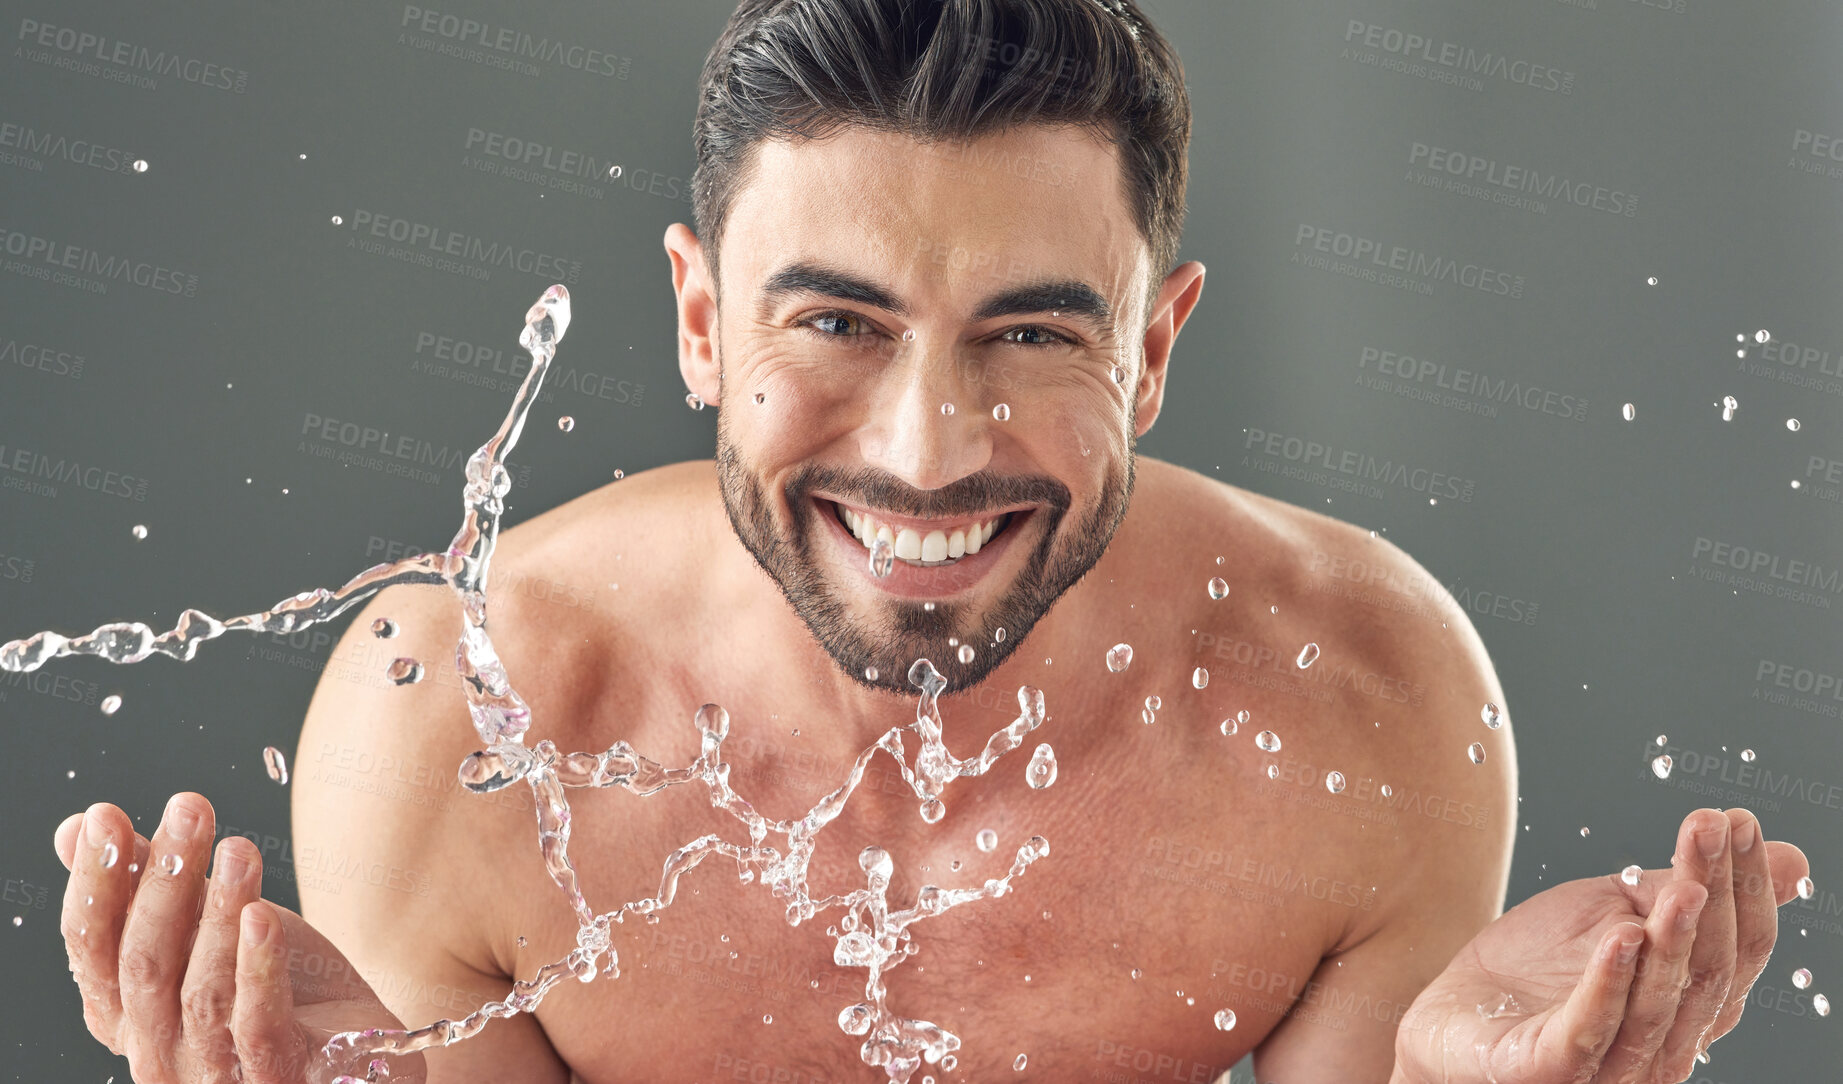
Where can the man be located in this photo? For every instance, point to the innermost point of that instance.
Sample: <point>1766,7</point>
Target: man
<point>945,309</point>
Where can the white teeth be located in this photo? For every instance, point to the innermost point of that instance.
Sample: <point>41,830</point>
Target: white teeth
<point>911,545</point>
<point>956,544</point>
<point>974,539</point>
<point>934,546</point>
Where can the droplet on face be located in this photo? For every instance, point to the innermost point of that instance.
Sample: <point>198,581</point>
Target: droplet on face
<point>1491,716</point>
<point>109,856</point>
<point>1661,765</point>
<point>870,673</point>
<point>171,863</point>
<point>947,410</point>
<point>1042,769</point>
<point>998,635</point>
<point>1020,1063</point>
<point>1199,678</point>
<point>139,531</point>
<point>1119,657</point>
<point>1267,741</point>
<point>1135,973</point>
<point>1747,755</point>
<point>965,654</point>
<point>882,558</point>
<point>1729,404</point>
<point>566,423</point>
<point>1307,656</point>
<point>1806,888</point>
<point>384,628</point>
<point>1001,412</point>
<point>1629,411</point>
<point>1334,782</point>
<point>1801,978</point>
<point>277,764</point>
<point>1631,875</point>
<point>927,607</point>
<point>1218,588</point>
<point>111,704</point>
<point>404,671</point>
<point>760,398</point>
<point>1119,375</point>
<point>1476,752</point>
<point>908,334</point>
<point>986,840</point>
<point>694,400</point>
<point>1225,1020</point>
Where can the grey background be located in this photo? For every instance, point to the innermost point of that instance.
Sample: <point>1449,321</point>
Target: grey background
<point>1696,109</point>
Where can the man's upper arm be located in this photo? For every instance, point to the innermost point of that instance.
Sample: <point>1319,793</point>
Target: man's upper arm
<point>383,838</point>
<point>1448,861</point>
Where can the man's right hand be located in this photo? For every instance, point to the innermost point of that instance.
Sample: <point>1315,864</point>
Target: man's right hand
<point>192,980</point>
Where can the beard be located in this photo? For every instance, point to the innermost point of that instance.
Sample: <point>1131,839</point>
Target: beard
<point>896,632</point>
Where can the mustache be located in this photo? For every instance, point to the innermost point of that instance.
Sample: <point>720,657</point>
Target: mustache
<point>966,496</point>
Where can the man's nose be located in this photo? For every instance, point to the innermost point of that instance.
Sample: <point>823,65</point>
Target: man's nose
<point>933,430</point>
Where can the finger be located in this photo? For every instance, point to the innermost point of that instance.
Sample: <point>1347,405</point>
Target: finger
<point>1756,917</point>
<point>1789,866</point>
<point>208,995</point>
<point>64,840</point>
<point>1705,854</point>
<point>1577,1037</point>
<point>1657,982</point>
<point>95,906</point>
<point>157,939</point>
<point>270,1049</point>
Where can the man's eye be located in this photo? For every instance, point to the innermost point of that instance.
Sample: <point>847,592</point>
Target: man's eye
<point>1046,337</point>
<point>834,325</point>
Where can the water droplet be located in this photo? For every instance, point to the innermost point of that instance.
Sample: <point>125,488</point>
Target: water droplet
<point>999,635</point>
<point>1136,973</point>
<point>337,221</point>
<point>566,423</point>
<point>908,335</point>
<point>1792,424</point>
<point>1631,875</point>
<point>1629,411</point>
<point>1225,1020</point>
<point>870,673</point>
<point>949,1062</point>
<point>619,474</point>
<point>882,557</point>
<point>760,398</point>
<point>1307,656</point>
<point>1229,727</point>
<point>1820,1004</point>
<point>767,1018</point>
<point>1199,678</point>
<point>1476,752</point>
<point>139,531</point>
<point>1388,791</point>
<point>171,863</point>
<point>1267,741</point>
<point>1806,888</point>
<point>1020,1063</point>
<point>1334,782</point>
<point>928,607</point>
<point>521,941</point>
<point>1042,770</point>
<point>1273,609</point>
<point>1747,755</point>
<point>111,704</point>
<point>1586,831</point>
<point>947,409</point>
<point>1662,740</point>
<point>1652,281</point>
<point>1218,588</point>
<point>1273,771</point>
<point>1119,657</point>
<point>932,811</point>
<point>1154,703</point>
<point>986,840</point>
<point>1492,716</point>
<point>19,920</point>
<point>1762,336</point>
<point>1729,404</point>
<point>694,400</point>
<point>109,856</point>
<point>1801,978</point>
<point>1661,765</point>
<point>404,671</point>
<point>614,172</point>
<point>277,764</point>
<point>965,654</point>
<point>384,628</point>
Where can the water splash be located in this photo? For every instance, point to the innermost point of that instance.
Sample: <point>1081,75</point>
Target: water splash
<point>869,935</point>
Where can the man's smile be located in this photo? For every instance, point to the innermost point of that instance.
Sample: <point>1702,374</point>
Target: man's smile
<point>934,557</point>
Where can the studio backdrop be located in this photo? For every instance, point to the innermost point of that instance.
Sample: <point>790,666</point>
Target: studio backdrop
<point>1546,291</point>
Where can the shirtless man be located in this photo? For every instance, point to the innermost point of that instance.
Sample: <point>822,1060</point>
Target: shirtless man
<point>872,278</point>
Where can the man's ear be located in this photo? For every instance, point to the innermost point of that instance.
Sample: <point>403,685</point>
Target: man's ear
<point>1183,286</point>
<point>697,313</point>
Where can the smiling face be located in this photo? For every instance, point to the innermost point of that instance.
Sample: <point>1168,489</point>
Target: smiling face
<point>943,346</point>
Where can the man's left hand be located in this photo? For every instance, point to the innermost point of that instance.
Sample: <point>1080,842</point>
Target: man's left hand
<point>1602,981</point>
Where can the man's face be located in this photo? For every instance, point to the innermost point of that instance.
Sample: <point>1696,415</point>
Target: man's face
<point>945,346</point>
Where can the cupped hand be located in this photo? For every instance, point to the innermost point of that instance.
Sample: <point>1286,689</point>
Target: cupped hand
<point>201,981</point>
<point>1602,981</point>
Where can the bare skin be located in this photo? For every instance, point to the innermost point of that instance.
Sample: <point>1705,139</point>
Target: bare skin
<point>1177,864</point>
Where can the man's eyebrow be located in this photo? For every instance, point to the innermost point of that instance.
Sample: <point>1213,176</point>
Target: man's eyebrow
<point>1073,298</point>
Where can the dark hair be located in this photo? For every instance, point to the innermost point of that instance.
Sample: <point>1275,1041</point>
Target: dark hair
<point>945,70</point>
